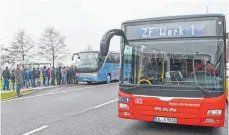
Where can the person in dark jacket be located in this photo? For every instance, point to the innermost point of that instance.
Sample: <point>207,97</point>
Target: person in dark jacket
<point>53,76</point>
<point>38,74</point>
<point>22,78</point>
<point>49,75</point>
<point>28,73</point>
<point>71,75</point>
<point>33,77</point>
<point>12,78</point>
<point>68,75</point>
<point>26,78</point>
<point>58,76</point>
<point>6,77</point>
<point>45,74</point>
<point>74,75</point>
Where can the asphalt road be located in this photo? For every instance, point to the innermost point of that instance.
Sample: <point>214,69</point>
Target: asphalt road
<point>82,110</point>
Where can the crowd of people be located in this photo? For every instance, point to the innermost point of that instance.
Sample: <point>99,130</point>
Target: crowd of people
<point>26,77</point>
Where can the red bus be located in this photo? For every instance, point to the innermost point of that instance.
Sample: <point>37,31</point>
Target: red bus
<point>160,80</point>
<point>227,67</point>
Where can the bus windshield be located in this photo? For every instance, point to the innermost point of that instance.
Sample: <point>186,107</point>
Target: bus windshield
<point>175,63</point>
<point>88,60</point>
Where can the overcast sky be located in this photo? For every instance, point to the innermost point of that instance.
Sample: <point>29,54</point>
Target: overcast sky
<point>85,21</point>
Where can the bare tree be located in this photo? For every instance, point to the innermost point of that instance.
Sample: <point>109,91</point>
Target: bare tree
<point>20,48</point>
<point>52,45</point>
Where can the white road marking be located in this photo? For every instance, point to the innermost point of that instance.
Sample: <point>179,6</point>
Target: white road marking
<point>105,103</point>
<point>52,93</point>
<point>35,130</point>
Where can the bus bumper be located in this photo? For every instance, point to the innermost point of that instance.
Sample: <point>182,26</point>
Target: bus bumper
<point>143,108</point>
<point>87,79</point>
<point>219,121</point>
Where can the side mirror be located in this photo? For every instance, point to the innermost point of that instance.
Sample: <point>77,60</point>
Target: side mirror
<point>74,55</point>
<point>105,42</point>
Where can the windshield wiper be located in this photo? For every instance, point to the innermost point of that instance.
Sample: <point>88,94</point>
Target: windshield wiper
<point>201,89</point>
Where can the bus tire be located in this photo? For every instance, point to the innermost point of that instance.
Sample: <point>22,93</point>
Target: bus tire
<point>108,78</point>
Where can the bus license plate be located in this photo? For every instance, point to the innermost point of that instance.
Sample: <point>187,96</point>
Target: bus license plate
<point>165,120</point>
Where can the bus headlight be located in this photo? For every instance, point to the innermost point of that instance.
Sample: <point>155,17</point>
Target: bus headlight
<point>215,112</point>
<point>124,106</point>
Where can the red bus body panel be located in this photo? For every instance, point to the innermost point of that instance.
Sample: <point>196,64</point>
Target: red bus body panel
<point>188,111</point>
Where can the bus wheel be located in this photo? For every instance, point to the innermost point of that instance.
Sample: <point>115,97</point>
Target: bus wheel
<point>108,78</point>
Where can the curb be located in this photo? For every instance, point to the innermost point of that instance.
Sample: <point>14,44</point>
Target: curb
<point>16,96</point>
<point>34,90</point>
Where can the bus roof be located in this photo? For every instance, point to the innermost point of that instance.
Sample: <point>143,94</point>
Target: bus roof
<point>173,17</point>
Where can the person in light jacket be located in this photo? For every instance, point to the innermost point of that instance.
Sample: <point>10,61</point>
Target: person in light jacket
<point>63,76</point>
<point>18,79</point>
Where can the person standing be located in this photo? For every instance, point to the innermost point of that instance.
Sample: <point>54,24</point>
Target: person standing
<point>26,78</point>
<point>58,76</point>
<point>30,78</point>
<point>28,73</point>
<point>38,74</point>
<point>74,75</point>
<point>63,76</point>
<point>6,77</point>
<point>45,75</point>
<point>68,75</point>
<point>22,78</point>
<point>49,76</point>
<point>33,77</point>
<point>71,75</point>
<point>18,80</point>
<point>53,76</point>
<point>12,78</point>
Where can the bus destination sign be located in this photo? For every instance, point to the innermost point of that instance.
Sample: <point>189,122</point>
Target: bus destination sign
<point>170,31</point>
<point>166,30</point>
